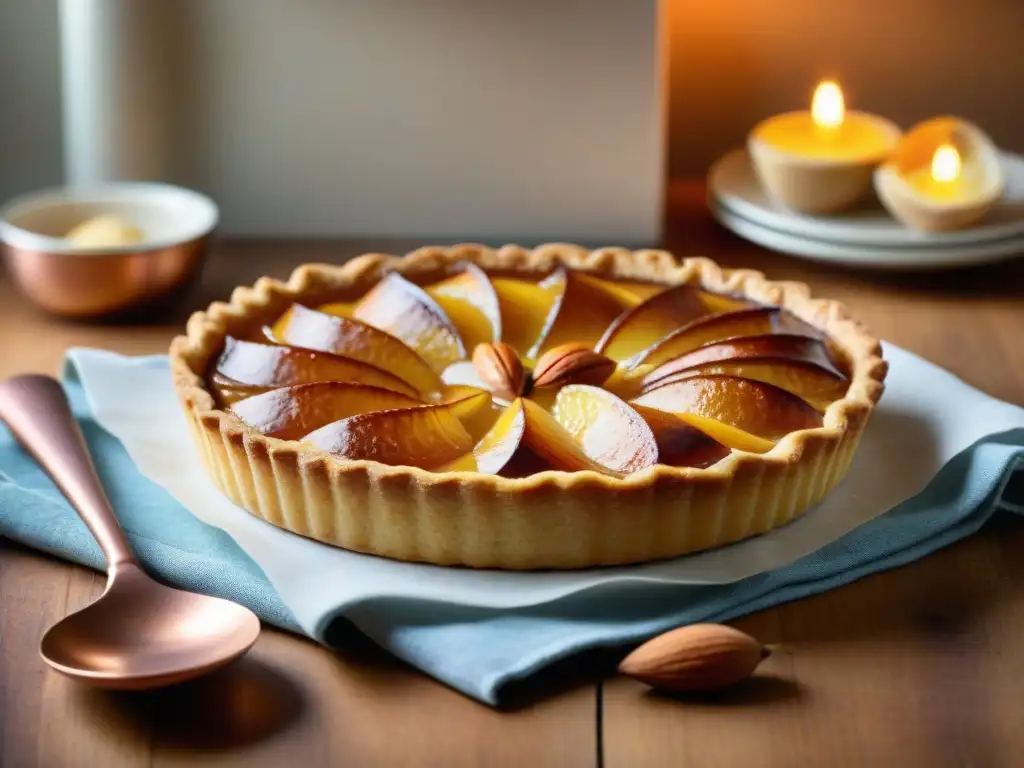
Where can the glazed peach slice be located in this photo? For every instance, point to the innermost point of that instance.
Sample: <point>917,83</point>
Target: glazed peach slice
<point>753,407</point>
<point>427,436</point>
<point>606,428</point>
<point>628,296</point>
<point>640,327</point>
<point>404,310</point>
<point>463,373</point>
<point>252,367</point>
<point>640,291</point>
<point>229,392</point>
<point>756,321</point>
<point>553,445</point>
<point>474,408</point>
<point>681,444</point>
<point>524,307</point>
<point>302,327</point>
<point>338,308</point>
<point>583,308</point>
<point>798,364</point>
<point>524,440</point>
<point>502,449</point>
<point>811,383</point>
<point>769,346</point>
<point>722,302</point>
<point>291,412</point>
<point>471,303</point>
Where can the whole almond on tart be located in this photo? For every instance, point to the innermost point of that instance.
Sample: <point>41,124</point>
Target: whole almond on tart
<point>572,364</point>
<point>699,657</point>
<point>499,367</point>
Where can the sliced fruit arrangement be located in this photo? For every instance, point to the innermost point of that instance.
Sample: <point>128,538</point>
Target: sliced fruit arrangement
<point>511,376</point>
<point>524,310</point>
<point>680,444</point>
<point>526,439</point>
<point>798,364</point>
<point>606,428</point>
<point>290,413</point>
<point>759,409</point>
<point>302,327</point>
<point>425,436</point>
<point>582,310</point>
<point>471,304</point>
<point>647,323</point>
<point>708,328</point>
<point>407,312</point>
<point>498,447</point>
<point>260,367</point>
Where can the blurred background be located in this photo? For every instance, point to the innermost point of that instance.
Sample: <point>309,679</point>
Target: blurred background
<point>241,123</point>
<point>734,62</point>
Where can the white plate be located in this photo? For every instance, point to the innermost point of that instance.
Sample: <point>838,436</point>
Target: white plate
<point>734,185</point>
<point>879,257</point>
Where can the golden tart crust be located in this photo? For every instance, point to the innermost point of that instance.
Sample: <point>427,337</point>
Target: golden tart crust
<point>548,520</point>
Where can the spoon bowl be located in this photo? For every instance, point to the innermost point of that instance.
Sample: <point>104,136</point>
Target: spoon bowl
<point>139,634</point>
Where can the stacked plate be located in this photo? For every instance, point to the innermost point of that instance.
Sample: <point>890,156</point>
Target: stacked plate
<point>865,238</point>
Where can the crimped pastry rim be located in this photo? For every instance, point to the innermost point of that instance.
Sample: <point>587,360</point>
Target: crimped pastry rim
<point>206,332</point>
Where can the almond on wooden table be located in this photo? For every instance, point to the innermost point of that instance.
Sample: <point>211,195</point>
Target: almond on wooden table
<point>699,657</point>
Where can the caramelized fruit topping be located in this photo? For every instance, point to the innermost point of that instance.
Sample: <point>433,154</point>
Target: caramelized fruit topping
<point>570,373</point>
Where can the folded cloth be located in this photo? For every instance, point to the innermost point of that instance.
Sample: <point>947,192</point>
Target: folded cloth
<point>926,476</point>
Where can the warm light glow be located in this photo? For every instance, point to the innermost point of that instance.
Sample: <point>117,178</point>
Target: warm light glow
<point>946,164</point>
<point>827,106</point>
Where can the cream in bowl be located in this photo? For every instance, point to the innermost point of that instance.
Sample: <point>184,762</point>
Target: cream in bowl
<point>106,231</point>
<point>822,160</point>
<point>94,252</point>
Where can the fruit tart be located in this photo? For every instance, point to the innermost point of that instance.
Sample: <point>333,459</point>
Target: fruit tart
<point>526,408</point>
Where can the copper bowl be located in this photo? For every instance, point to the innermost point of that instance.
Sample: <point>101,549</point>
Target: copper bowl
<point>93,283</point>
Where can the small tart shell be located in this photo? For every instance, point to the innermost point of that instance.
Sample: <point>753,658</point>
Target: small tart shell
<point>550,520</point>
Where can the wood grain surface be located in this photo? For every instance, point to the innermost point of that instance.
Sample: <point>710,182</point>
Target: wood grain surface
<point>920,666</point>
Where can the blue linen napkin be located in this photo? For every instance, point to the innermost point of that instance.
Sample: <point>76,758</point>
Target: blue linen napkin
<point>490,654</point>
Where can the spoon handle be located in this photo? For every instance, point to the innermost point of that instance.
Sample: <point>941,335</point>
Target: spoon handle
<point>37,412</point>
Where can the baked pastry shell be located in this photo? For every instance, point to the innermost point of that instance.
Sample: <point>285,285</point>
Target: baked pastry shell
<point>549,520</point>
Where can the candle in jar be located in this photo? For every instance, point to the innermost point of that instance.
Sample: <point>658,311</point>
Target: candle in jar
<point>944,174</point>
<point>821,160</point>
<point>944,178</point>
<point>828,130</point>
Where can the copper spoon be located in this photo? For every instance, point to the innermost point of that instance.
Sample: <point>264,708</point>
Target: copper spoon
<point>138,634</point>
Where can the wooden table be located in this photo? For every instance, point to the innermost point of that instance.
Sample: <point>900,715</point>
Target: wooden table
<point>920,666</point>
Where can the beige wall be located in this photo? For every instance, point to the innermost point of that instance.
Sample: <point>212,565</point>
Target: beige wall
<point>30,131</point>
<point>734,62</point>
<point>479,119</point>
<point>485,119</point>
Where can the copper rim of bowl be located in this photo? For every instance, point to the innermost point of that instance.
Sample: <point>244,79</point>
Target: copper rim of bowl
<point>189,215</point>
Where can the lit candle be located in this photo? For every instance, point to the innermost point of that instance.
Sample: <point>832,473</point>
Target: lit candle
<point>828,111</point>
<point>946,164</point>
<point>945,174</point>
<point>821,160</point>
<point>943,178</point>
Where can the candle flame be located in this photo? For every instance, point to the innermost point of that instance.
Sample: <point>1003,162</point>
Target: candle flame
<point>827,107</point>
<point>946,164</point>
